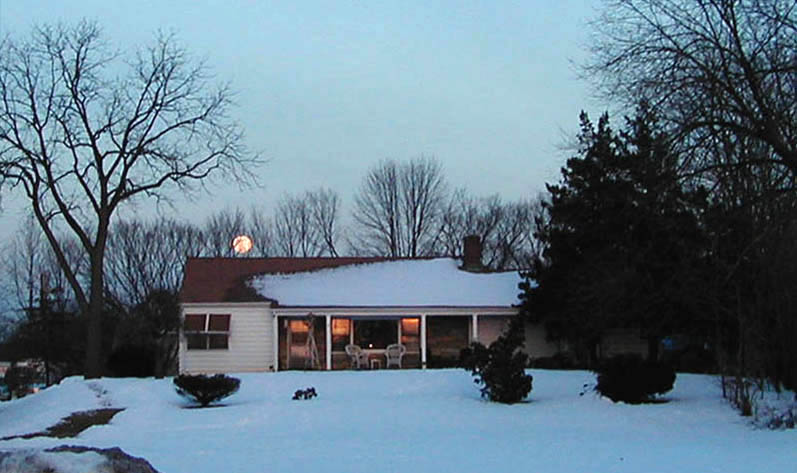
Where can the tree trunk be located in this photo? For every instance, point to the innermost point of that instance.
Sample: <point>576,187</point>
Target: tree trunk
<point>93,367</point>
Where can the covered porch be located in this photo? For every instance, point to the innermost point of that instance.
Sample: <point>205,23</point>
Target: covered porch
<point>430,339</point>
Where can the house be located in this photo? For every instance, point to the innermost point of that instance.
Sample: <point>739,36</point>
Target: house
<point>270,314</point>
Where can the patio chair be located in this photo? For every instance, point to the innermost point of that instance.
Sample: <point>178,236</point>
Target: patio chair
<point>393,353</point>
<point>359,359</point>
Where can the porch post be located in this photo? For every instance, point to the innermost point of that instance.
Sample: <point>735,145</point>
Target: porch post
<point>328,344</point>
<point>423,341</point>
<point>475,331</point>
<point>276,348</point>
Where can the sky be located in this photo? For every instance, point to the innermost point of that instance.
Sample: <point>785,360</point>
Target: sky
<point>325,90</point>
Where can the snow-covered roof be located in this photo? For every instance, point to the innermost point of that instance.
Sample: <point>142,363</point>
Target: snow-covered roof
<point>402,283</point>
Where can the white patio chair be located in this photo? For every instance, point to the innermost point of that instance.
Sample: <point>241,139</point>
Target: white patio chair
<point>359,359</point>
<point>393,353</point>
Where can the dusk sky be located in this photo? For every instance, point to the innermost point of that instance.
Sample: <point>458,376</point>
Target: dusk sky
<point>328,89</point>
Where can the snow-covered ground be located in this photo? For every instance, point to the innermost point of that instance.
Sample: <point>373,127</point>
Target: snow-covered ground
<point>409,421</point>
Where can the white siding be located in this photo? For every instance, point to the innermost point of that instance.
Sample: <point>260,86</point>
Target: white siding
<point>250,344</point>
<point>536,346</point>
<point>491,327</point>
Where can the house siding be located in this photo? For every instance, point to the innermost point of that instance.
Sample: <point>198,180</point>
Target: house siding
<point>251,343</point>
<point>491,327</point>
<point>536,345</point>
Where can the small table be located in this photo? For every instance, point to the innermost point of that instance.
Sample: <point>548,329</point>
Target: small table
<point>376,363</point>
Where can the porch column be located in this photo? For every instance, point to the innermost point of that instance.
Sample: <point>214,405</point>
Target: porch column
<point>276,349</point>
<point>328,344</point>
<point>423,341</point>
<point>475,331</point>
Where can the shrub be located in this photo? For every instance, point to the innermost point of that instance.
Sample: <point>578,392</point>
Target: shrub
<point>500,368</point>
<point>20,379</point>
<point>775,418</point>
<point>132,361</point>
<point>627,378</point>
<point>206,389</point>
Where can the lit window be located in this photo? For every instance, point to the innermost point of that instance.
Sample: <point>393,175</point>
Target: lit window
<point>207,331</point>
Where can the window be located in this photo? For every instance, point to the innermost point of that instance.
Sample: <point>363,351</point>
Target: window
<point>375,333</point>
<point>207,331</point>
<point>340,333</point>
<point>411,334</point>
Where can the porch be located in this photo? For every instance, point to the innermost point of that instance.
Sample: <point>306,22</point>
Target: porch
<point>430,340</point>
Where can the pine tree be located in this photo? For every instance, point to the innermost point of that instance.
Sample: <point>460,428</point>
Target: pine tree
<point>500,368</point>
<point>622,240</point>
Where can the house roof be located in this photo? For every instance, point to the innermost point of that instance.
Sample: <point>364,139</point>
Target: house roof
<point>396,283</point>
<point>225,279</point>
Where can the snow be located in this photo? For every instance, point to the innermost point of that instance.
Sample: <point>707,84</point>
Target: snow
<point>402,283</point>
<point>411,420</point>
<point>32,461</point>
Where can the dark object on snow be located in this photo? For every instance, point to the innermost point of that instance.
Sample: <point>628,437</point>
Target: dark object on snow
<point>500,368</point>
<point>117,461</point>
<point>627,378</point>
<point>308,393</point>
<point>206,389</point>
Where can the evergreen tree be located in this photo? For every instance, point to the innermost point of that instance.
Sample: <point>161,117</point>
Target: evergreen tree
<point>501,368</point>
<point>622,240</point>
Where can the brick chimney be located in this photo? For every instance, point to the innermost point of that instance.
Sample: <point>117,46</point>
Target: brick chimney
<point>472,253</point>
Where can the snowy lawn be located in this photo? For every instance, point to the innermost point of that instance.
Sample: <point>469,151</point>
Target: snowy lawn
<point>409,421</point>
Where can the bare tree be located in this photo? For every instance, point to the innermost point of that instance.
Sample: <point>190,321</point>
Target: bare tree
<point>512,243</point>
<point>295,230</point>
<point>146,256</point>
<point>25,258</point>
<point>506,230</point>
<point>78,140</point>
<point>260,229</point>
<point>708,66</point>
<point>28,257</point>
<point>219,231</point>
<point>324,209</point>
<point>467,215</point>
<point>398,207</point>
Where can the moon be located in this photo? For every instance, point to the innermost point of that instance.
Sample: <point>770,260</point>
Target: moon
<point>242,244</point>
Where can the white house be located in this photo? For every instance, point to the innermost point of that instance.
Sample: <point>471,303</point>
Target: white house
<point>257,314</point>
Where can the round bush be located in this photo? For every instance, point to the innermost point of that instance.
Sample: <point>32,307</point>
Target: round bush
<point>206,389</point>
<point>627,378</point>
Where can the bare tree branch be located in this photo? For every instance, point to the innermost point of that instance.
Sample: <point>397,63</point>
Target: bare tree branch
<point>81,141</point>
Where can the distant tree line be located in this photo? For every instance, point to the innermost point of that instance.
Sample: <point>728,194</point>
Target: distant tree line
<point>402,209</point>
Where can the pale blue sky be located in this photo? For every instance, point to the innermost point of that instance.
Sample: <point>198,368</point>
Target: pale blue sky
<point>327,89</point>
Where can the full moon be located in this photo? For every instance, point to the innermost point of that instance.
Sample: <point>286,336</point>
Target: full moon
<point>242,244</point>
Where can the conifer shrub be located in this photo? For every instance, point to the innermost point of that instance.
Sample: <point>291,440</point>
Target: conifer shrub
<point>629,379</point>
<point>205,389</point>
<point>500,368</point>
